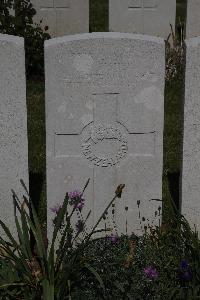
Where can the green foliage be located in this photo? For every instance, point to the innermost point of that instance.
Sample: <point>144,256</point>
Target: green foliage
<point>20,23</point>
<point>121,266</point>
<point>42,273</point>
<point>74,266</point>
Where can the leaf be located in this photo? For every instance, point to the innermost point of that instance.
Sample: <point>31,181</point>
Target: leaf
<point>6,251</point>
<point>9,235</point>
<point>48,290</point>
<point>26,237</point>
<point>119,189</point>
<point>60,218</point>
<point>12,284</point>
<point>23,232</point>
<point>24,186</point>
<point>36,230</point>
<point>119,286</point>
<point>102,230</point>
<point>87,217</point>
<point>85,186</point>
<point>97,276</point>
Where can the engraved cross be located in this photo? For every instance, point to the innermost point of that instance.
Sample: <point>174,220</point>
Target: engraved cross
<point>53,9</point>
<point>105,140</point>
<point>142,4</point>
<point>55,4</point>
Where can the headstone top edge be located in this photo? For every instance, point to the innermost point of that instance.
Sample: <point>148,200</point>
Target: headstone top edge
<point>12,38</point>
<point>104,35</point>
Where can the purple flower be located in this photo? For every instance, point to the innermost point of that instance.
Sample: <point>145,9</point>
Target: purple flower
<point>113,238</point>
<point>186,276</point>
<point>74,194</point>
<point>184,264</point>
<point>76,200</point>
<point>79,205</point>
<point>55,209</point>
<point>151,272</point>
<point>185,271</point>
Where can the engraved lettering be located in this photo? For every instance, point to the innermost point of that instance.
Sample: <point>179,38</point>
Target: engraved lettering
<point>104,164</point>
<point>98,162</point>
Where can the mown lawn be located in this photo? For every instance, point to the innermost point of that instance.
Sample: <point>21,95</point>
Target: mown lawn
<point>36,120</point>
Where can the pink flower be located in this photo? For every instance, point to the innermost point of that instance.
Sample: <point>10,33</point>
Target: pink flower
<point>55,209</point>
<point>151,272</point>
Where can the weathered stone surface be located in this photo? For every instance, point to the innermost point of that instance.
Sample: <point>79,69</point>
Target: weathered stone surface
<point>104,114</point>
<point>193,18</point>
<point>13,124</point>
<point>151,17</point>
<point>63,16</point>
<point>191,143</point>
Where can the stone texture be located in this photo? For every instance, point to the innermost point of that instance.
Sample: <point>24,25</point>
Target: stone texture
<point>193,18</point>
<point>63,16</point>
<point>191,143</point>
<point>104,114</point>
<point>151,17</point>
<point>13,124</point>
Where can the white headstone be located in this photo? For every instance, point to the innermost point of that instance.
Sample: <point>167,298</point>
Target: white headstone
<point>62,16</point>
<point>193,18</point>
<point>13,125</point>
<point>191,143</point>
<point>151,17</point>
<point>104,114</point>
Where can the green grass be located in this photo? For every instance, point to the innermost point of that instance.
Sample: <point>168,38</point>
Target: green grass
<point>173,132</point>
<point>36,126</point>
<point>181,9</point>
<point>36,145</point>
<point>99,15</point>
<point>173,113</point>
<point>173,127</point>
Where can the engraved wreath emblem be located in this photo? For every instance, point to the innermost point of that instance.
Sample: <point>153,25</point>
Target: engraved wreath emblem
<point>97,135</point>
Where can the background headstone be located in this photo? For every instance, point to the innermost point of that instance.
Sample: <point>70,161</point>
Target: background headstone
<point>104,114</point>
<point>62,16</point>
<point>193,18</point>
<point>13,125</point>
<point>191,143</point>
<point>151,17</point>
